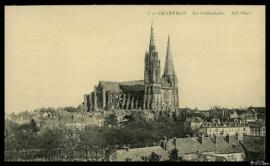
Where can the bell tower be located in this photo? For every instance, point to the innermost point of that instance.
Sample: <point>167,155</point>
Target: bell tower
<point>152,85</point>
<point>170,76</point>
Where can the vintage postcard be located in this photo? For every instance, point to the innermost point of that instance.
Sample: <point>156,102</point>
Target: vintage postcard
<point>135,83</point>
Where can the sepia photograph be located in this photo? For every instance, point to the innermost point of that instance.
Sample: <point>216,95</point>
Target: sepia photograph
<point>123,83</point>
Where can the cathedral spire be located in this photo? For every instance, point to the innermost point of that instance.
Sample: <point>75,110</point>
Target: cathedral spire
<point>152,40</point>
<point>169,68</point>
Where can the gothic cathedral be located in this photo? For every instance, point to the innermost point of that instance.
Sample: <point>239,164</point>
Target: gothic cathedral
<point>152,93</point>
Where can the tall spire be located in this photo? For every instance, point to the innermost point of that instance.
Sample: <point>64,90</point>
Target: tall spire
<point>169,68</point>
<point>152,40</point>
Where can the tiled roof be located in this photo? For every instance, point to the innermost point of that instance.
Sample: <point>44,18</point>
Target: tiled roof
<point>136,154</point>
<point>194,119</point>
<point>109,85</point>
<point>222,146</point>
<point>253,143</point>
<point>132,83</point>
<point>234,115</point>
<point>137,85</point>
<point>184,145</point>
<point>206,144</point>
<point>236,145</point>
<point>198,119</point>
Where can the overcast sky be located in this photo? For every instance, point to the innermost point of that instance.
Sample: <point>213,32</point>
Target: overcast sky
<point>56,54</point>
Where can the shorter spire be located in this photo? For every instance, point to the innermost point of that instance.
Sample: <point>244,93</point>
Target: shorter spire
<point>169,68</point>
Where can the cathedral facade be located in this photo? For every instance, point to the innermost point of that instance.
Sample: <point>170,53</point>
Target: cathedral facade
<point>155,92</point>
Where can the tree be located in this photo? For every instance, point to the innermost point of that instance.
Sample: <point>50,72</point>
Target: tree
<point>111,120</point>
<point>153,157</point>
<point>91,143</point>
<point>25,136</point>
<point>50,143</point>
<point>70,109</point>
<point>173,155</point>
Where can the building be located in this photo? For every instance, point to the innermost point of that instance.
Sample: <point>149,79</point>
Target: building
<point>254,147</point>
<point>223,148</point>
<point>139,154</point>
<point>257,128</point>
<point>154,92</point>
<point>234,116</point>
<point>194,122</point>
<point>222,129</point>
<point>250,115</point>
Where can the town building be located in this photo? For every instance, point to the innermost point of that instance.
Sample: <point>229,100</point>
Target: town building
<point>234,117</point>
<point>249,116</point>
<point>194,122</point>
<point>254,147</point>
<point>228,128</point>
<point>139,154</point>
<point>224,148</point>
<point>257,128</point>
<point>154,92</point>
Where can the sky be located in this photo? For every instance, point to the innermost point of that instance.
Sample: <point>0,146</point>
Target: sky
<point>56,54</point>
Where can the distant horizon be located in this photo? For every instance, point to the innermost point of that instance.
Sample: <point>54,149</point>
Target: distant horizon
<point>56,54</point>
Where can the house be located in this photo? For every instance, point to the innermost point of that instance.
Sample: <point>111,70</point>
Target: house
<point>234,116</point>
<point>257,128</point>
<point>254,147</point>
<point>250,115</point>
<point>222,148</point>
<point>194,122</point>
<point>222,129</point>
<point>139,154</point>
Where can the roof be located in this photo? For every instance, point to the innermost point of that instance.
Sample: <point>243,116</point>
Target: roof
<point>194,119</point>
<point>135,154</point>
<point>236,145</point>
<point>208,145</point>
<point>248,113</point>
<point>184,145</point>
<point>132,83</point>
<point>198,120</point>
<point>223,147</point>
<point>109,85</point>
<point>253,143</point>
<point>234,115</point>
<point>194,145</point>
<point>137,85</point>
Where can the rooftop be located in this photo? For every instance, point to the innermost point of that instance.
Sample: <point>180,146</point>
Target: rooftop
<point>136,154</point>
<point>194,145</point>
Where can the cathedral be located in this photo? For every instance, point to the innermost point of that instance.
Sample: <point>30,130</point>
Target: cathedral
<point>155,92</point>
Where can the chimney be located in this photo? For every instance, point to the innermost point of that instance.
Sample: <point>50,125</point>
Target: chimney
<point>214,138</point>
<point>174,142</point>
<point>237,136</point>
<point>164,143</point>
